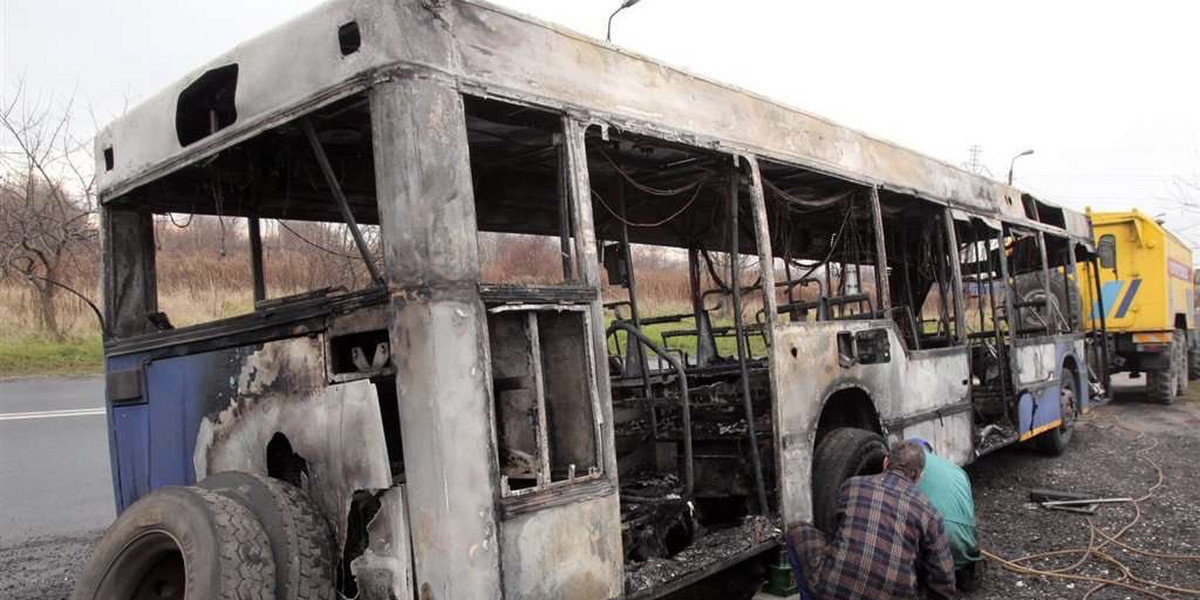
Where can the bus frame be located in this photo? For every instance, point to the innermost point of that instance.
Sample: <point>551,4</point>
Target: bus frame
<point>392,406</point>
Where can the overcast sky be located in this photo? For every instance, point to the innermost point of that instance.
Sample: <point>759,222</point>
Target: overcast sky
<point>1107,94</point>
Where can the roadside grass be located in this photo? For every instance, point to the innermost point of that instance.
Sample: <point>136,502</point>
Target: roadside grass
<point>25,350</point>
<point>35,354</point>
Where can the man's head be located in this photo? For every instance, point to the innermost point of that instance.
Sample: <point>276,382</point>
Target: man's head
<point>906,458</point>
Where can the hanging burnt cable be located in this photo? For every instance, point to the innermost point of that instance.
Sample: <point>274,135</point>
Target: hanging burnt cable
<point>219,204</point>
<point>812,204</point>
<point>314,244</point>
<point>621,218</point>
<point>646,188</point>
<point>171,218</point>
<point>1127,579</point>
<point>833,244</point>
<point>720,283</point>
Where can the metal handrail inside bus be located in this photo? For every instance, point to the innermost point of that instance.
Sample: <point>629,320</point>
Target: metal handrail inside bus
<point>635,333</point>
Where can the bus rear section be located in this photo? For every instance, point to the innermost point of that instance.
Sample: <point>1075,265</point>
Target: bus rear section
<point>1148,297</point>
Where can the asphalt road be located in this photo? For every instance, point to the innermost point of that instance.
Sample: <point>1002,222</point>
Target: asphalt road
<point>55,478</point>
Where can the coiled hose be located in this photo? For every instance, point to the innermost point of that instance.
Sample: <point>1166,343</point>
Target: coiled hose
<point>1128,579</point>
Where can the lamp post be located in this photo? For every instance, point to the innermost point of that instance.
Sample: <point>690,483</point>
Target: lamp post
<point>624,5</point>
<point>1013,161</point>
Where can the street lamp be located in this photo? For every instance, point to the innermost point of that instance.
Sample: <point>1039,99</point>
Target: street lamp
<point>624,5</point>
<point>1013,161</point>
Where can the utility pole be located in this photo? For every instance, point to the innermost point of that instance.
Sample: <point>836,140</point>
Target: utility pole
<point>973,163</point>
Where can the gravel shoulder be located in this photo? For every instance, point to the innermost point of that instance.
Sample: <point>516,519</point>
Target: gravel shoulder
<point>1109,457</point>
<point>44,568</point>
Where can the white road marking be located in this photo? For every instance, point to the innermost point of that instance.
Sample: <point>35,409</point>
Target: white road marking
<point>51,414</point>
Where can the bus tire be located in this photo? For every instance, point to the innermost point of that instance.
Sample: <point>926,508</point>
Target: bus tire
<point>300,539</point>
<point>179,540</point>
<point>1163,386</point>
<point>843,453</point>
<point>1055,441</point>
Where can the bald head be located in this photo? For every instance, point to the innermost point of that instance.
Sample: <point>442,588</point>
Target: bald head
<point>907,457</point>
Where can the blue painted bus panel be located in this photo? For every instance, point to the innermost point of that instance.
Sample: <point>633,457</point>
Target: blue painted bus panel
<point>132,451</point>
<point>154,442</point>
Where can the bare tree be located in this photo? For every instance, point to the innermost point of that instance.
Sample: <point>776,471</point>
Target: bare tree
<point>47,199</point>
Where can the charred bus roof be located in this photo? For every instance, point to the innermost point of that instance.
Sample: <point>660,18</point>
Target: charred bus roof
<point>340,49</point>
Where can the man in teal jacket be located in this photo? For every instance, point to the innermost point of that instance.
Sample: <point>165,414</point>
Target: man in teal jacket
<point>949,491</point>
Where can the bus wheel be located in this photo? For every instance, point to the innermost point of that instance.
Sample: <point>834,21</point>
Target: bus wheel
<point>1055,442</point>
<point>1163,386</point>
<point>177,542</point>
<point>300,539</point>
<point>843,453</point>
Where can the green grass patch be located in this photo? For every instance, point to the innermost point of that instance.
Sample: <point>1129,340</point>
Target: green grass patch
<point>41,355</point>
<point>726,344</point>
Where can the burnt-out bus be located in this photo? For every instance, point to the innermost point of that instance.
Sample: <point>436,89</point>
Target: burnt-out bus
<point>447,429</point>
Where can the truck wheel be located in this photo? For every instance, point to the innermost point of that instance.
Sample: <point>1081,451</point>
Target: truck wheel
<point>1163,386</point>
<point>177,542</point>
<point>1179,349</point>
<point>1194,359</point>
<point>300,539</point>
<point>1055,442</point>
<point>843,453</point>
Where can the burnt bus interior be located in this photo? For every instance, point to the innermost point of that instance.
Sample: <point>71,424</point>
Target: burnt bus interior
<point>690,389</point>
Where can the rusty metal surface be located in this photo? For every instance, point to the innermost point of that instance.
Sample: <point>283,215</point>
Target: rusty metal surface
<point>281,388</point>
<point>384,570</point>
<point>587,531</point>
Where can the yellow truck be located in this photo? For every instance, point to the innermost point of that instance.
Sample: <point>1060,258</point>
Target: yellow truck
<point>1148,294</point>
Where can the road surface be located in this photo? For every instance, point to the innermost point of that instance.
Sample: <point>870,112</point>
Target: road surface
<point>54,471</point>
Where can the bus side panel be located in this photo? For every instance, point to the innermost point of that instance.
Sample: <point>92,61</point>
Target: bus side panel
<point>1041,368</point>
<point>217,411</point>
<point>155,436</point>
<point>130,454</point>
<point>951,431</point>
<point>909,388</point>
<point>581,541</point>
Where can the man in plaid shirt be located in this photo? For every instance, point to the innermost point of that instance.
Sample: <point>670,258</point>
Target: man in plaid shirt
<point>889,545</point>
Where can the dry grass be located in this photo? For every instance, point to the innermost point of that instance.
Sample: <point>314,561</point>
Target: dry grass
<point>204,275</point>
<point>26,350</point>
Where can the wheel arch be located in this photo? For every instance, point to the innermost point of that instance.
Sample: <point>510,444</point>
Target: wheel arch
<point>848,406</point>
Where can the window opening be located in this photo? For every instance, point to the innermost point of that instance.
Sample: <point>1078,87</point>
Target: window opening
<point>543,366</point>
<point>349,38</point>
<point>1027,280</point>
<point>679,248</point>
<point>823,232</point>
<point>1107,251</point>
<point>546,425</point>
<point>259,226</point>
<point>206,105</point>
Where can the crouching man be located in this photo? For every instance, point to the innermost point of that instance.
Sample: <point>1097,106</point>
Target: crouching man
<point>949,491</point>
<point>889,542</point>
